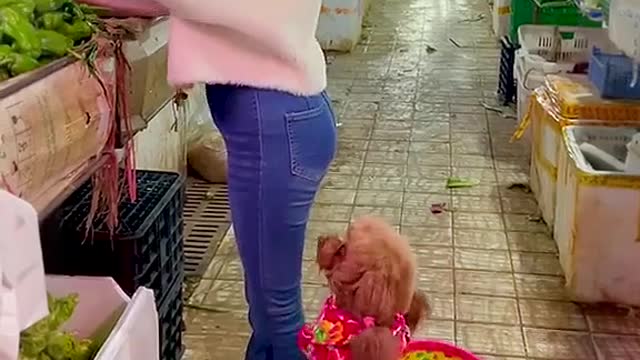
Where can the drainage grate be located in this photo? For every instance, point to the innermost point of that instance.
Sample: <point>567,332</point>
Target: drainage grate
<point>207,218</point>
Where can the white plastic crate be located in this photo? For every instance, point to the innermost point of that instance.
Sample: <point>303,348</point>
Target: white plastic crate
<point>624,21</point>
<point>562,44</point>
<point>597,226</point>
<point>501,17</point>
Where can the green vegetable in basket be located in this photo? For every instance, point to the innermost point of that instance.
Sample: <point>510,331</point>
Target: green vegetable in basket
<point>78,30</point>
<point>46,6</point>
<point>53,43</point>
<point>45,340</point>
<point>20,29</point>
<point>4,74</point>
<point>24,8</point>
<point>5,50</point>
<point>21,64</point>
<point>4,3</point>
<point>61,310</point>
<point>52,21</point>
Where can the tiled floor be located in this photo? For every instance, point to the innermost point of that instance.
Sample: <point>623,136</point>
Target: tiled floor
<point>412,118</point>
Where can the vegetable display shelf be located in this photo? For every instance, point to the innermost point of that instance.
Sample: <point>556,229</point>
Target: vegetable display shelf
<point>146,249</point>
<point>58,111</point>
<point>55,120</point>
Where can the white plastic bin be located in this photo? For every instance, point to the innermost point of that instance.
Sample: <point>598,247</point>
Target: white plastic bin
<point>562,44</point>
<point>340,23</point>
<point>598,219</point>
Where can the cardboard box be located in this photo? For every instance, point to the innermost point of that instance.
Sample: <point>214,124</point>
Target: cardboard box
<point>54,121</point>
<point>149,90</point>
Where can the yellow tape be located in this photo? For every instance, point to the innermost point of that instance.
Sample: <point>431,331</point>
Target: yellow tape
<point>504,10</point>
<point>524,123</point>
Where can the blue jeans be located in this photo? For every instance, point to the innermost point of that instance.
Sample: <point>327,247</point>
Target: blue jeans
<point>279,148</point>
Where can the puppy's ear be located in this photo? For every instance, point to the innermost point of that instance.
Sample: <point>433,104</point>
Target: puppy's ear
<point>418,311</point>
<point>331,249</point>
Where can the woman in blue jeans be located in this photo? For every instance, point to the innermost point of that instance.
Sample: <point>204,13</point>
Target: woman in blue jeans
<point>266,75</point>
<point>279,148</point>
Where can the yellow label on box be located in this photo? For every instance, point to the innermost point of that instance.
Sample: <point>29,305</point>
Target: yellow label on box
<point>504,10</point>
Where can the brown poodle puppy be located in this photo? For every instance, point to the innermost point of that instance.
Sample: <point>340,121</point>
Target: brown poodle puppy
<point>372,277</point>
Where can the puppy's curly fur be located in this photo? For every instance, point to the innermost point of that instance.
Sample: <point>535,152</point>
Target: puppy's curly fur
<point>372,272</point>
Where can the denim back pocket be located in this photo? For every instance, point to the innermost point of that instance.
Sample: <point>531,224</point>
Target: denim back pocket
<point>312,142</point>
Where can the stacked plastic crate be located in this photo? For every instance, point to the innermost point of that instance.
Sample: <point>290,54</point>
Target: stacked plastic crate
<point>585,170</point>
<point>145,250</point>
<point>525,12</point>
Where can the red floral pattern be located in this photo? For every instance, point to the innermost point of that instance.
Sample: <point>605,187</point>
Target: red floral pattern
<point>328,338</point>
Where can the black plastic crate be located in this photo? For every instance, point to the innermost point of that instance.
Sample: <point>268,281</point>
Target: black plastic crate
<point>507,89</point>
<point>147,249</point>
<point>171,325</point>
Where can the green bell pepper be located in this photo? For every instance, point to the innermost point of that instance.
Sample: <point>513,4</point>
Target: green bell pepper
<point>78,30</point>
<point>22,63</point>
<point>20,29</point>
<point>24,8</point>
<point>52,21</point>
<point>4,3</point>
<point>4,74</point>
<point>46,6</point>
<point>53,43</point>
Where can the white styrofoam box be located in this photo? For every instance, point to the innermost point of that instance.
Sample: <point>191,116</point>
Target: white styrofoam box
<point>598,219</point>
<point>566,43</point>
<point>102,304</point>
<point>501,16</point>
<point>624,22</point>
<point>340,24</point>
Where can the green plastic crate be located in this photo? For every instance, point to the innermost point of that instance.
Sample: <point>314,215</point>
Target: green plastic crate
<point>546,12</point>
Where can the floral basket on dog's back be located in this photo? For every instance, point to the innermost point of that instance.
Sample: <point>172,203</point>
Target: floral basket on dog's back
<point>435,350</point>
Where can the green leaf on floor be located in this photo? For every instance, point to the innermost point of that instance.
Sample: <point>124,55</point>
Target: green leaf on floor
<point>460,183</point>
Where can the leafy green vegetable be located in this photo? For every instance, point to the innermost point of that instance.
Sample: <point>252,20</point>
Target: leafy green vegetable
<point>459,183</point>
<point>45,340</point>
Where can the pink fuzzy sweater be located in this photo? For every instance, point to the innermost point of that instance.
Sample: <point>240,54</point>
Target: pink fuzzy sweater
<point>267,44</point>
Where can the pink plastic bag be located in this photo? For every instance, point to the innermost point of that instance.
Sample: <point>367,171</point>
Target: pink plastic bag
<point>138,8</point>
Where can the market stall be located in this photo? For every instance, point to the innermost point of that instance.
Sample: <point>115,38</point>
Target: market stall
<point>577,96</point>
<point>79,90</point>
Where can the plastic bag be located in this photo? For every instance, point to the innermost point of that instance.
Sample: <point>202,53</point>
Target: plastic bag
<point>206,151</point>
<point>23,299</point>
